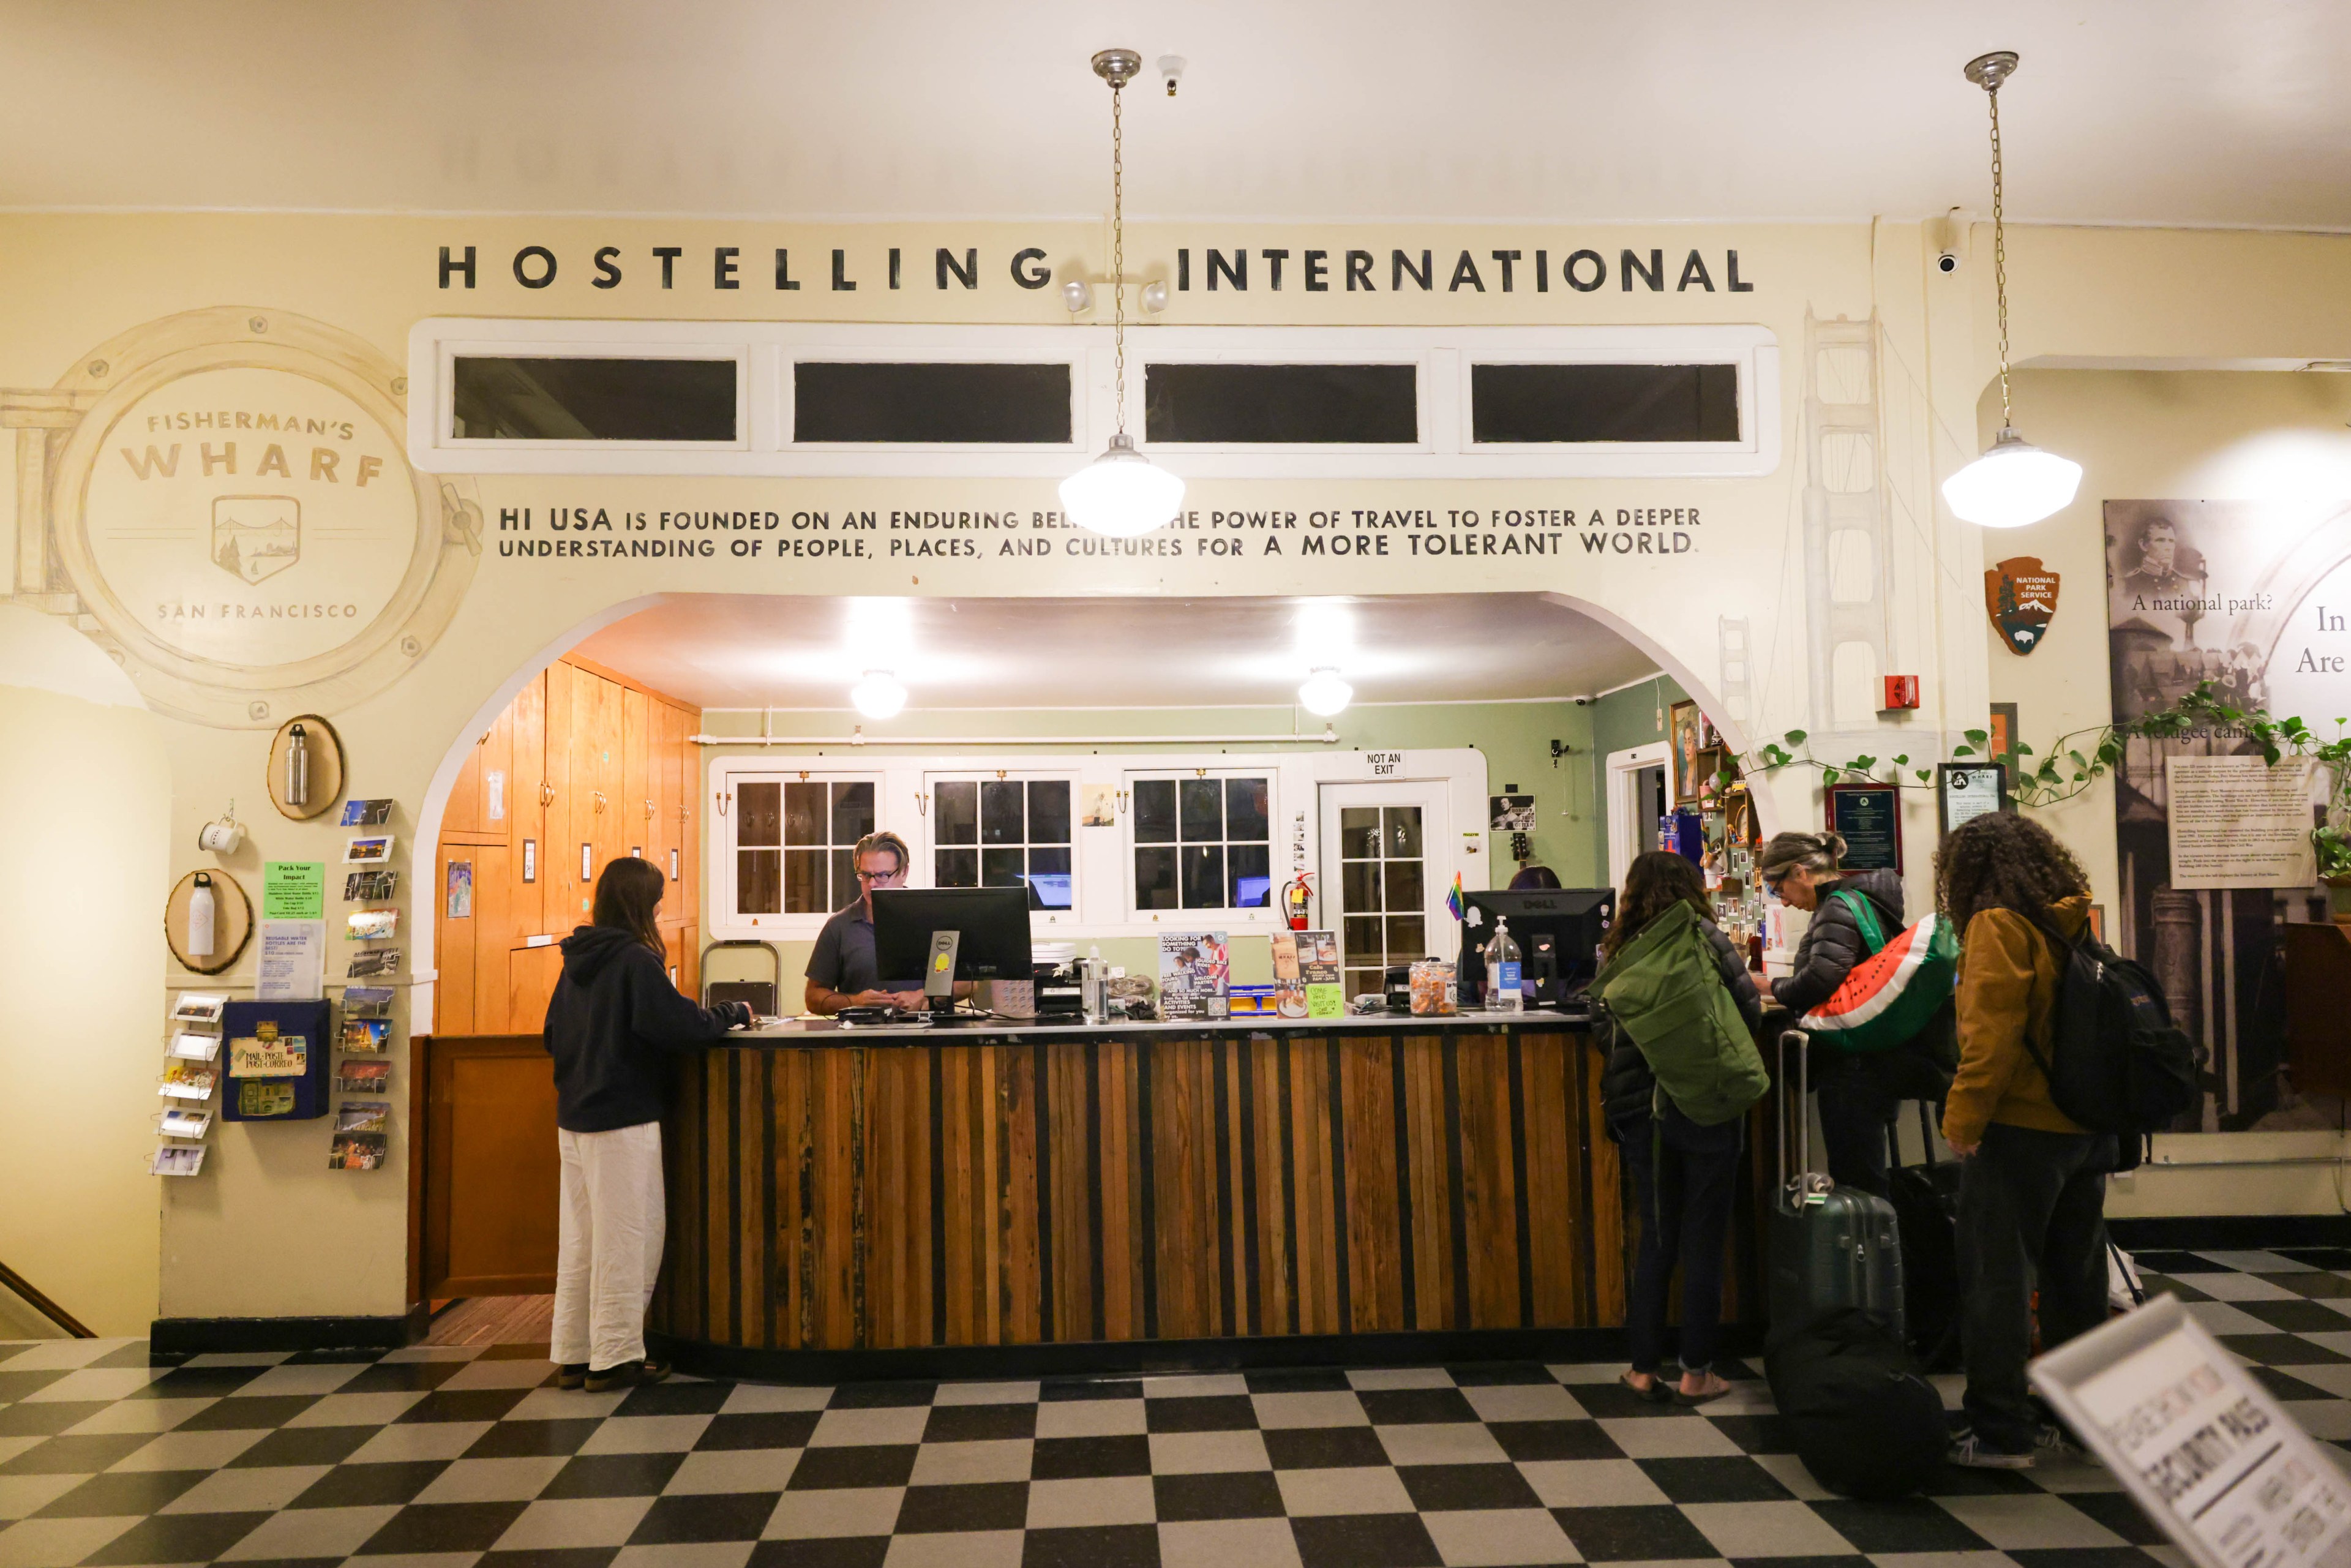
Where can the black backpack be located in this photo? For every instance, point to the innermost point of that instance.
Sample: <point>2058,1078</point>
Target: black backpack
<point>2116,1062</point>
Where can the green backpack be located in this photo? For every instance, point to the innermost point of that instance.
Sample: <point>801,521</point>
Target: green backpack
<point>1666,994</point>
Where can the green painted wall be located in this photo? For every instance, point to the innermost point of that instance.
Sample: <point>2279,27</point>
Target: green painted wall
<point>1620,721</point>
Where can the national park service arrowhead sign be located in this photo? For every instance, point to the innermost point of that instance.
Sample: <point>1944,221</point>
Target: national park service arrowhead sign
<point>2021,597</point>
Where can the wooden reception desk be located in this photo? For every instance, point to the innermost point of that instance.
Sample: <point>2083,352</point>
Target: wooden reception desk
<point>1015,1199</point>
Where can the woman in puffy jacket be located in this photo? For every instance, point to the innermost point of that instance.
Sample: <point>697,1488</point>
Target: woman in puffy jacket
<point>1682,1173</point>
<point>1859,1092</point>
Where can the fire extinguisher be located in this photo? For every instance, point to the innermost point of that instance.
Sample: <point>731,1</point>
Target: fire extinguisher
<point>1295,899</point>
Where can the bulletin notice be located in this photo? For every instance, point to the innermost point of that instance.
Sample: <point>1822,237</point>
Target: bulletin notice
<point>2236,821</point>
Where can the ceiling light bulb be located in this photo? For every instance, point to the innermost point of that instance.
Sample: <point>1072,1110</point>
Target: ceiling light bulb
<point>2013,484</point>
<point>878,694</point>
<point>1122,493</point>
<point>1324,695</point>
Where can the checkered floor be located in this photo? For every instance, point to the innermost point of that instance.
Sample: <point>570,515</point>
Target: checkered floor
<point>457,1455</point>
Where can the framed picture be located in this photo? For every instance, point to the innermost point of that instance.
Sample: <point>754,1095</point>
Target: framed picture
<point>1683,728</point>
<point>1964,792</point>
<point>2001,746</point>
<point>1869,817</point>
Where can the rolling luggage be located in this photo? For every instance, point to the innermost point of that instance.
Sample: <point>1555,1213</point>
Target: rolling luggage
<point>1832,1250</point>
<point>1925,1199</point>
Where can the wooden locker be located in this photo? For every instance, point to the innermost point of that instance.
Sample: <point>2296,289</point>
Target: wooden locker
<point>611,749</point>
<point>495,936</point>
<point>590,734</point>
<point>494,758</point>
<point>689,813</point>
<point>454,1012</point>
<point>530,983</point>
<point>463,812</point>
<point>558,856</point>
<point>632,805</point>
<point>526,788</point>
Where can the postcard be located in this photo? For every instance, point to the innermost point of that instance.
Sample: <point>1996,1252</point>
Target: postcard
<point>367,1001</point>
<point>369,886</point>
<point>362,1115</point>
<point>368,851</point>
<point>366,1037</point>
<point>185,1080</point>
<point>190,1047</point>
<point>177,1159</point>
<point>180,1124</point>
<point>371,924</point>
<point>363,1077</point>
<point>366,813</point>
<point>199,1007</point>
<point>374,961</point>
<point>357,1152</point>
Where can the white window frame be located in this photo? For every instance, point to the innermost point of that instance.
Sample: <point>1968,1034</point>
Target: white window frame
<point>1223,766</point>
<point>767,350</point>
<point>727,777</point>
<point>932,845</point>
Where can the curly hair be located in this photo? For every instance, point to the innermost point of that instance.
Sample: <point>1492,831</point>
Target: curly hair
<point>1654,883</point>
<point>1999,860</point>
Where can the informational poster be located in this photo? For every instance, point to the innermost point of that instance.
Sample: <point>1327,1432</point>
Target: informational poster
<point>2236,821</point>
<point>2203,1448</point>
<point>1869,818</point>
<point>1964,792</point>
<point>293,890</point>
<point>1195,968</point>
<point>293,961</point>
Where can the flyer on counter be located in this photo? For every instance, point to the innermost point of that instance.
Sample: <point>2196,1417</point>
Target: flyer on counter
<point>199,1007</point>
<point>366,813</point>
<point>293,961</point>
<point>367,1001</point>
<point>366,1037</point>
<point>1318,969</point>
<point>177,1159</point>
<point>1195,968</point>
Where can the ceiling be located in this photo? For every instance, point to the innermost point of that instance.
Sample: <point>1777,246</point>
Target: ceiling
<point>2135,112</point>
<point>719,651</point>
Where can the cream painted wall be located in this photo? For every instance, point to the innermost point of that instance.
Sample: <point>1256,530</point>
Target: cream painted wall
<point>270,1230</point>
<point>86,784</point>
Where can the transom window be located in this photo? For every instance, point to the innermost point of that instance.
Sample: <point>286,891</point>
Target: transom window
<point>1004,832</point>
<point>794,843</point>
<point>1203,842</point>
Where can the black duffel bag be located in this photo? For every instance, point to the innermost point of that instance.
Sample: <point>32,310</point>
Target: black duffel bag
<point>1864,1423</point>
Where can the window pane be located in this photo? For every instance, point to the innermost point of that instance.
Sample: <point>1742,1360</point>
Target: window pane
<point>926,403</point>
<point>1204,876</point>
<point>1204,810</point>
<point>1359,885</point>
<point>1403,884</point>
<point>804,815</point>
<point>804,882</point>
<point>959,814</point>
<point>1049,811</point>
<point>1252,883</point>
<point>1285,403</point>
<point>1245,807</point>
<point>1359,831</point>
<point>564,399</point>
<point>758,813</point>
<point>852,812</point>
<point>1403,828</point>
<point>1408,937</point>
<point>955,868</point>
<point>757,888</point>
<point>1154,878</point>
<point>1364,983</point>
<point>845,879</point>
<point>1001,868</point>
<point>1154,812</point>
<point>1001,814</point>
<point>1364,939</point>
<point>1049,873</point>
<point>1604,403</point>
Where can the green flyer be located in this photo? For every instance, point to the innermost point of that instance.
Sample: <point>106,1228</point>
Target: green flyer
<point>293,890</point>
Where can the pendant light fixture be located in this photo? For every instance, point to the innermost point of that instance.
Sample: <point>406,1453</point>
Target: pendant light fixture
<point>878,694</point>
<point>1324,695</point>
<point>2013,483</point>
<point>1122,493</point>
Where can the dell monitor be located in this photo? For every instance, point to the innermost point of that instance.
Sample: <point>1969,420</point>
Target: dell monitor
<point>1558,931</point>
<point>991,924</point>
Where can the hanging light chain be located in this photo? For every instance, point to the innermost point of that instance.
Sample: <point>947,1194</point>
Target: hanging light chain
<point>1999,255</point>
<point>1118,242</point>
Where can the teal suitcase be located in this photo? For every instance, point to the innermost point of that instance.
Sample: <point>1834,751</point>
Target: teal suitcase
<point>1832,1248</point>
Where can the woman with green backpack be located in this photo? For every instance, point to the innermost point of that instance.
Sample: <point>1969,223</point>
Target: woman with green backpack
<point>1678,1019</point>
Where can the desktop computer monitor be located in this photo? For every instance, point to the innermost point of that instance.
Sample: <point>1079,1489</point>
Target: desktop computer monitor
<point>993,923</point>
<point>1558,931</point>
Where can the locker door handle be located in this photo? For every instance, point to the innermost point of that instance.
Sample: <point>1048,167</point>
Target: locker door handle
<point>547,794</point>
<point>649,809</point>
<point>599,800</point>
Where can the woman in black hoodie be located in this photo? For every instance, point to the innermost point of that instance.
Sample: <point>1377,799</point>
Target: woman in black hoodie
<point>1859,1092</point>
<point>613,1014</point>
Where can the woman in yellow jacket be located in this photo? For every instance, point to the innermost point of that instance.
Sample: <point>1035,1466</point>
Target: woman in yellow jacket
<point>2033,1194</point>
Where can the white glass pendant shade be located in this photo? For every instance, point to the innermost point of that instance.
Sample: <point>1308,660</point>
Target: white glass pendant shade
<point>878,694</point>
<point>2013,484</point>
<point>1122,493</point>
<point>1324,695</point>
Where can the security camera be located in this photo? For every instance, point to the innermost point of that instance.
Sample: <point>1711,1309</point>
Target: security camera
<point>1948,235</point>
<point>1947,262</point>
<point>1171,71</point>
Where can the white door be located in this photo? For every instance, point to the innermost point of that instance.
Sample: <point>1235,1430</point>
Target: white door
<point>1386,868</point>
<point>1636,787</point>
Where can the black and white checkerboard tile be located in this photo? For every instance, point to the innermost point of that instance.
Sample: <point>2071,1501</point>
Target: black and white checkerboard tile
<point>453,1455</point>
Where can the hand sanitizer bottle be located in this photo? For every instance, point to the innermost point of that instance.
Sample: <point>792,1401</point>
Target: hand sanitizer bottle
<point>1502,994</point>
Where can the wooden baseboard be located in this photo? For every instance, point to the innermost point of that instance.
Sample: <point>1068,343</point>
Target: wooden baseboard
<point>199,1336</point>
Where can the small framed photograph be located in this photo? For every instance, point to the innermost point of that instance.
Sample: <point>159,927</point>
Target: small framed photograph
<point>457,890</point>
<point>370,886</point>
<point>1510,813</point>
<point>366,813</point>
<point>199,1007</point>
<point>177,1160</point>
<point>1682,729</point>
<point>367,1001</point>
<point>673,865</point>
<point>1098,806</point>
<point>368,850</point>
<point>530,860</point>
<point>178,1123</point>
<point>371,924</point>
<point>374,961</point>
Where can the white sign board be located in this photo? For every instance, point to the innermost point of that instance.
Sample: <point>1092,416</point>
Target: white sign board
<point>2203,1447</point>
<point>293,961</point>
<point>2236,821</point>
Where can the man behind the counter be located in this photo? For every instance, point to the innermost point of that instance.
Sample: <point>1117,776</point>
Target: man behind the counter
<point>841,972</point>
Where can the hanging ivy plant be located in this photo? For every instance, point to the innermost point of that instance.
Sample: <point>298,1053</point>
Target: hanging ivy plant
<point>2079,758</point>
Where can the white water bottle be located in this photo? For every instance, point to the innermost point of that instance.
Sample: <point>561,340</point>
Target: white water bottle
<point>201,917</point>
<point>1502,994</point>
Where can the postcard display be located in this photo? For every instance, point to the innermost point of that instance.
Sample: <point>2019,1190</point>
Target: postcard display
<point>362,1126</point>
<point>191,1070</point>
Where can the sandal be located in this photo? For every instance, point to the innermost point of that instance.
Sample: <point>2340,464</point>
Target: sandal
<point>1658,1392</point>
<point>1716,1390</point>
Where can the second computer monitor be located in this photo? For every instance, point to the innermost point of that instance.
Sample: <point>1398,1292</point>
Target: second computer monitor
<point>993,923</point>
<point>1558,931</point>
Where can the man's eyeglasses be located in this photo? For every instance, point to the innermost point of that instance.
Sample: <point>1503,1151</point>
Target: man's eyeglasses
<point>878,875</point>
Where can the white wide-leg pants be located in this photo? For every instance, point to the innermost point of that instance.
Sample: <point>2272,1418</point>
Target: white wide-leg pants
<point>610,1250</point>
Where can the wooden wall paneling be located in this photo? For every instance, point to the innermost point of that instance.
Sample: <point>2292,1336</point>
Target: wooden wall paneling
<point>1267,1130</point>
<point>592,708</point>
<point>1022,1288</point>
<point>526,782</point>
<point>1426,1128</point>
<point>456,948</point>
<point>496,754</point>
<point>1190,1264</point>
<point>1321,1286</point>
<point>614,828</point>
<point>494,939</point>
<point>491,1103</point>
<point>1378,1241</point>
<point>531,973</point>
<point>1610,1260</point>
<point>1073,1173</point>
<point>558,858</point>
<point>1490,1197</point>
<point>689,807</point>
<point>1556,1180</point>
<point>462,814</point>
<point>633,795</point>
<point>667,776</point>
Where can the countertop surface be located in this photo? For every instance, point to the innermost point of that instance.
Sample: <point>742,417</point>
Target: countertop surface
<point>828,1032</point>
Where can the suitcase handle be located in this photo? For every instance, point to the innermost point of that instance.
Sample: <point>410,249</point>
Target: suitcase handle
<point>1805,1182</point>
